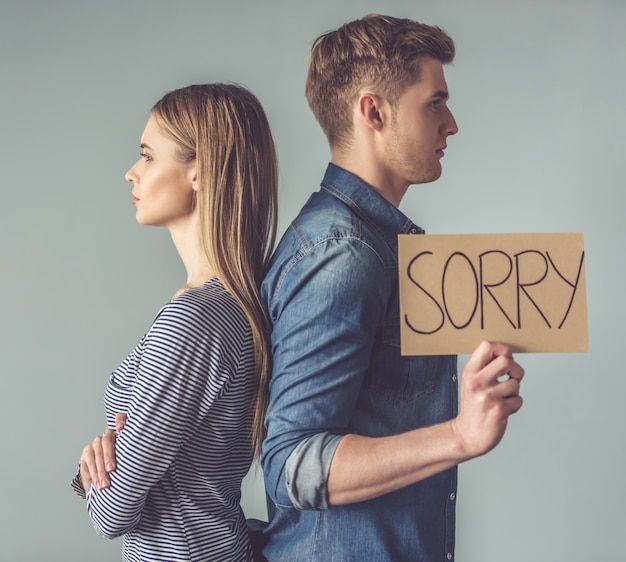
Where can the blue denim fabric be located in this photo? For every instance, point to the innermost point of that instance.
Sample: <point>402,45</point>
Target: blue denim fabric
<point>332,297</point>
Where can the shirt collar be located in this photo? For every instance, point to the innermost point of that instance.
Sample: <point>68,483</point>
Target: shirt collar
<point>368,204</point>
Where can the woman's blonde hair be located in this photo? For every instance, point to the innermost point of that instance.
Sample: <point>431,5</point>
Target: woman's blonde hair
<point>224,129</point>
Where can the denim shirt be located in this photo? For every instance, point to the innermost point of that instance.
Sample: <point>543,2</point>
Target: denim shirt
<point>333,299</point>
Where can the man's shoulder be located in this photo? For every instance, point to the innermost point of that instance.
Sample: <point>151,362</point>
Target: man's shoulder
<point>325,213</point>
<point>327,247</point>
<point>326,221</point>
<point>325,217</point>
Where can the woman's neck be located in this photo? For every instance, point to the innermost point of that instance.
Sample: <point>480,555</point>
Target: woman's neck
<point>188,243</point>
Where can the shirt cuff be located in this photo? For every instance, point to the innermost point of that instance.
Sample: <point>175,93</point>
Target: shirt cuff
<point>307,469</point>
<point>77,486</point>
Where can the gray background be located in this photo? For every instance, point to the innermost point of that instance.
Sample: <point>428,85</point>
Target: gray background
<point>537,91</point>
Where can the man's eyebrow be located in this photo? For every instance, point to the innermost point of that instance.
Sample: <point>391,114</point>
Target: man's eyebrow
<point>441,94</point>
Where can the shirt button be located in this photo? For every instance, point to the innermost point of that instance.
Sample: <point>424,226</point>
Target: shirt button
<point>452,496</point>
<point>414,231</point>
<point>449,556</point>
<point>454,378</point>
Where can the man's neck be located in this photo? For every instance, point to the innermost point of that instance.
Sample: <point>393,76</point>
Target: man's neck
<point>366,168</point>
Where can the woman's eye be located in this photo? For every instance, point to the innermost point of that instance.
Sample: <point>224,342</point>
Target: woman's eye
<point>145,156</point>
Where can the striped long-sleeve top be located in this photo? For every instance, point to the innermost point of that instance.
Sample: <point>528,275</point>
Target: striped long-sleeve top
<point>187,388</point>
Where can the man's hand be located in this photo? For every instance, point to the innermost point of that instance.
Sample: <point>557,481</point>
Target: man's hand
<point>490,385</point>
<point>98,458</point>
<point>368,467</point>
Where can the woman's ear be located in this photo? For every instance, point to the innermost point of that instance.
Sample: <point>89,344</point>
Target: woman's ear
<point>193,176</point>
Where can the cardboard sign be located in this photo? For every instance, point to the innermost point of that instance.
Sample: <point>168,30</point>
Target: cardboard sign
<point>525,290</point>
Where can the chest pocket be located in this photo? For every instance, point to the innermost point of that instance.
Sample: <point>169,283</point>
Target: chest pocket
<point>397,379</point>
<point>121,383</point>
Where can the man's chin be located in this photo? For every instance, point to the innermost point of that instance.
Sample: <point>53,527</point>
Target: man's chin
<point>428,179</point>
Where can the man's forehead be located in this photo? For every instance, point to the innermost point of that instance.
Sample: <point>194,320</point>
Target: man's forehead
<point>431,78</point>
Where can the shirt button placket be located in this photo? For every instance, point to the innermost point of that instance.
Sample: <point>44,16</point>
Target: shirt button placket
<point>451,497</point>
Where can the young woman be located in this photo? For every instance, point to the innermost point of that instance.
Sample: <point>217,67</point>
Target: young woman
<point>194,388</point>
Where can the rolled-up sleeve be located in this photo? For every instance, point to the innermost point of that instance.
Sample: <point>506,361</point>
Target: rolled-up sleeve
<point>326,303</point>
<point>306,471</point>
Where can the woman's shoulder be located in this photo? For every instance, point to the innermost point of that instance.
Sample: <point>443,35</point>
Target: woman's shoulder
<point>208,307</point>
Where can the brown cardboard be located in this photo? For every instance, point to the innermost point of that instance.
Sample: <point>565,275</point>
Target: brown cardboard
<point>525,290</point>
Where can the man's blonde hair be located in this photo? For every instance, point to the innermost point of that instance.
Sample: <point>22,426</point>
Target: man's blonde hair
<point>379,53</point>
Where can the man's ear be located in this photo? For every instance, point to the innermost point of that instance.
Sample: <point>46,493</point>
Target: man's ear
<point>372,110</point>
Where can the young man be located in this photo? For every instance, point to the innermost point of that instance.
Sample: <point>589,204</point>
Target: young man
<point>362,443</point>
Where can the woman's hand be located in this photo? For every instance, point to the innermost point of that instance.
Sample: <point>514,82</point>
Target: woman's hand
<point>98,458</point>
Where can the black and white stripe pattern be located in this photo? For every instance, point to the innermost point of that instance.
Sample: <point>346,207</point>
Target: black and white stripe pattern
<point>188,389</point>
